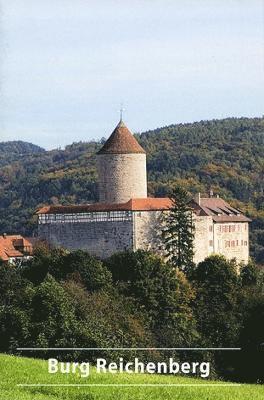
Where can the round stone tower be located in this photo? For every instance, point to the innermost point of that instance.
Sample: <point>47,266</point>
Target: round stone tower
<point>121,167</point>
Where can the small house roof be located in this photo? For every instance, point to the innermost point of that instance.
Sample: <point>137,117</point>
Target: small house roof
<point>13,246</point>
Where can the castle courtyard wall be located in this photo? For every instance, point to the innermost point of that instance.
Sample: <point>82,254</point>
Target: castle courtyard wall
<point>142,230</point>
<point>100,238</point>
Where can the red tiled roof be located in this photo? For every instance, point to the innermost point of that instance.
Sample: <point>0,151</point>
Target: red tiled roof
<point>121,141</point>
<point>13,253</point>
<point>219,210</point>
<point>147,204</point>
<point>9,245</point>
<point>215,207</point>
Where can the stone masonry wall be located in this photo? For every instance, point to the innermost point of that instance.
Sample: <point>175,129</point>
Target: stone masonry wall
<point>121,177</point>
<point>231,240</point>
<point>100,238</point>
<point>147,228</point>
<point>104,238</point>
<point>203,237</point>
<point>209,237</point>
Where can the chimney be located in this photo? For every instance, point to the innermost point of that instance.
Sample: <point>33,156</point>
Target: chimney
<point>4,235</point>
<point>211,193</point>
<point>197,198</point>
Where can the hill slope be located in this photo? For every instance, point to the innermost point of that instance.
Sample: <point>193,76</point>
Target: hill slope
<point>15,150</point>
<point>225,155</point>
<point>18,370</point>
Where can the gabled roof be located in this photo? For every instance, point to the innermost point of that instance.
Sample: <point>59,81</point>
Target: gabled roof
<point>219,209</point>
<point>146,204</point>
<point>13,246</point>
<point>121,141</point>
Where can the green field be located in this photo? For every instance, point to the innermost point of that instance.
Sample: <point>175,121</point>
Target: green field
<point>18,370</point>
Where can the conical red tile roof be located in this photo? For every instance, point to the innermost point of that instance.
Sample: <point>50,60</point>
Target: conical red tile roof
<point>121,141</point>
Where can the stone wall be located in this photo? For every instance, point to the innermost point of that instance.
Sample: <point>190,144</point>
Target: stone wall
<point>147,230</point>
<point>203,237</point>
<point>121,177</point>
<point>100,238</point>
<point>143,231</point>
<point>147,226</point>
<point>232,240</point>
<point>209,237</point>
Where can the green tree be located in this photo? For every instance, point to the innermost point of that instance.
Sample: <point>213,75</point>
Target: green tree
<point>217,288</point>
<point>161,291</point>
<point>63,265</point>
<point>178,232</point>
<point>84,267</point>
<point>249,275</point>
<point>109,319</point>
<point>15,300</point>
<point>250,361</point>
<point>217,311</point>
<point>53,316</point>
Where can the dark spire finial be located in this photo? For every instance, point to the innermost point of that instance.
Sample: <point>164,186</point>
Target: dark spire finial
<point>121,112</point>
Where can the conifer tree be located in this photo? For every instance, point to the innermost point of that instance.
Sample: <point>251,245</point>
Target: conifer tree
<point>178,231</point>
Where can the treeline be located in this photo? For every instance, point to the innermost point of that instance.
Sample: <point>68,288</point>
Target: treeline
<point>70,299</point>
<point>223,155</point>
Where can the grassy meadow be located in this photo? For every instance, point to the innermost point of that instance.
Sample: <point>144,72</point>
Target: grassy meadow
<point>20,370</point>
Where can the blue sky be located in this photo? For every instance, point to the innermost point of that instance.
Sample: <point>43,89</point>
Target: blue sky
<point>67,65</point>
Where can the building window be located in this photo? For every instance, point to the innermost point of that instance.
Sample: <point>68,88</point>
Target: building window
<point>227,243</point>
<point>245,243</point>
<point>210,243</point>
<point>211,228</point>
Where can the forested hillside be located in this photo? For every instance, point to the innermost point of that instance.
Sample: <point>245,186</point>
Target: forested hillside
<point>12,151</point>
<point>224,155</point>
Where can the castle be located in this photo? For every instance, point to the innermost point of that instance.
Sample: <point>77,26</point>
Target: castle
<point>125,218</point>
